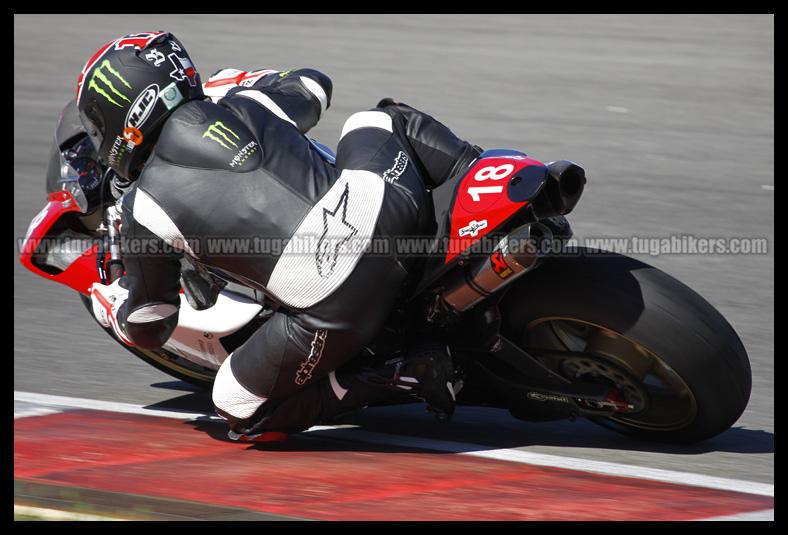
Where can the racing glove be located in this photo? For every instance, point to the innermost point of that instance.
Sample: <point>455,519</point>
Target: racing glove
<point>105,301</point>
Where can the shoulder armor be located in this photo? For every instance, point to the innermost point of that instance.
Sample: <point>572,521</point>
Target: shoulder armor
<point>208,136</point>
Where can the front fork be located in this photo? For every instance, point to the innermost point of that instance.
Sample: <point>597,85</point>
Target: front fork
<point>110,267</point>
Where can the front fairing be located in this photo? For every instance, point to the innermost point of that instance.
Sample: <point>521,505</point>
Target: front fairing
<point>45,233</point>
<point>60,242</point>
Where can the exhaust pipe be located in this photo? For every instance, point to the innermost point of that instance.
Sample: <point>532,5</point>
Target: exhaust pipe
<point>563,188</point>
<point>516,254</point>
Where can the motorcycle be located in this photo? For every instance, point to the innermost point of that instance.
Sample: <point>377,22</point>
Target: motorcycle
<point>535,326</point>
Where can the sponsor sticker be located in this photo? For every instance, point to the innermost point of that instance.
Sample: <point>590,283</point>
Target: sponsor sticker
<point>473,228</point>
<point>140,109</point>
<point>499,265</point>
<point>538,396</point>
<point>171,96</point>
<point>132,136</point>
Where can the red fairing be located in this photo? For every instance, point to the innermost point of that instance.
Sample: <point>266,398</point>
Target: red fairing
<point>482,203</point>
<point>82,273</point>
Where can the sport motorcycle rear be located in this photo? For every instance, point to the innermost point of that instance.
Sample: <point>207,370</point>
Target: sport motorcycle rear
<point>545,331</point>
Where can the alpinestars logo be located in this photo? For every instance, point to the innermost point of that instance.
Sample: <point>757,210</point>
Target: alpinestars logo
<point>105,74</point>
<point>336,233</point>
<point>304,373</point>
<point>400,164</point>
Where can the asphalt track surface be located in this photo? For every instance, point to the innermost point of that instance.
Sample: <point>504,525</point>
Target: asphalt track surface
<point>671,116</point>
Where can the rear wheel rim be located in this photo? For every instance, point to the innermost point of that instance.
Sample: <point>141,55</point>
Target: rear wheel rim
<point>660,400</point>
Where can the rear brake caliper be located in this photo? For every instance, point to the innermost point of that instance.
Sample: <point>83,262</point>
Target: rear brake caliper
<point>614,401</point>
<point>626,393</point>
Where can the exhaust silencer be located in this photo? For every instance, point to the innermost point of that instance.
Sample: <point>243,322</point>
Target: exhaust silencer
<point>515,255</point>
<point>565,184</point>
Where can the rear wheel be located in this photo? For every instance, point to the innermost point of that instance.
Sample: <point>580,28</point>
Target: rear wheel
<point>677,370</point>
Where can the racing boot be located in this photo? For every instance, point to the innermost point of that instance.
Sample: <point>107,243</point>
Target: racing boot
<point>253,429</point>
<point>426,372</point>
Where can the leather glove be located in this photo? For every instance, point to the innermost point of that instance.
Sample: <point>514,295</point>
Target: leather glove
<point>106,300</point>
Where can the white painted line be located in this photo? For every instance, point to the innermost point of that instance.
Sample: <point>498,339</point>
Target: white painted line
<point>56,515</point>
<point>767,515</point>
<point>622,470</point>
<point>44,402</point>
<point>473,450</point>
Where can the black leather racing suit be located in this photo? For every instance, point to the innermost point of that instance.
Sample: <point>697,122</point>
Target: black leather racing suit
<point>242,169</point>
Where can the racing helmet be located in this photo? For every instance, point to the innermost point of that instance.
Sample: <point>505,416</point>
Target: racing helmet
<point>126,92</point>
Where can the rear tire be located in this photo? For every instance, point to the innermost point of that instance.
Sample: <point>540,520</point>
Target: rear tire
<point>672,355</point>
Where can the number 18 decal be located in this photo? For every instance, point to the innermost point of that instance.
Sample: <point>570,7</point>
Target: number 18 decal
<point>493,174</point>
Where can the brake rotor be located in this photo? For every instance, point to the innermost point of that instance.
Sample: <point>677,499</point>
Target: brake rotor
<point>626,393</point>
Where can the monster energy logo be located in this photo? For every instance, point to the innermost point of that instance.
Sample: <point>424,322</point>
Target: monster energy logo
<point>100,74</point>
<point>218,132</point>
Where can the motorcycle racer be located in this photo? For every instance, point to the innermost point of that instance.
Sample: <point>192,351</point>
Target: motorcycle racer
<point>232,161</point>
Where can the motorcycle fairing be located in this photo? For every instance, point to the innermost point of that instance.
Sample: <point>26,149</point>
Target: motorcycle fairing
<point>460,224</point>
<point>495,187</point>
<point>78,275</point>
<point>199,333</point>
